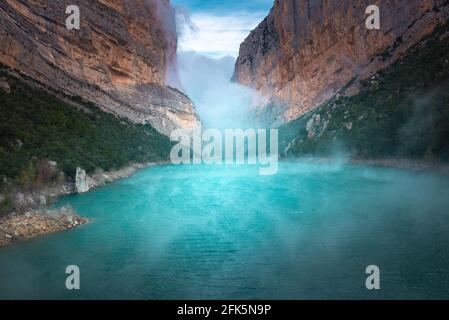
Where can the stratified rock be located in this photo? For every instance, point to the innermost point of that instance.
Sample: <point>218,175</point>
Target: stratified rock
<point>119,59</point>
<point>305,52</point>
<point>81,182</point>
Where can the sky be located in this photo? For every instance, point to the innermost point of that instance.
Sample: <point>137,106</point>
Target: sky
<point>210,34</point>
<point>216,28</point>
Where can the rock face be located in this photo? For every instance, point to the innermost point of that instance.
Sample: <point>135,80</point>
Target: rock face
<point>81,182</point>
<point>305,52</point>
<point>122,58</point>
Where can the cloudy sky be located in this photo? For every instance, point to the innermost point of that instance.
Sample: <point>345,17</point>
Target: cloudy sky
<point>218,26</point>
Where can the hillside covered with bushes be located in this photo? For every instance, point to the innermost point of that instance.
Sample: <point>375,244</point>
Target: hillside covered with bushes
<point>401,112</point>
<point>38,126</point>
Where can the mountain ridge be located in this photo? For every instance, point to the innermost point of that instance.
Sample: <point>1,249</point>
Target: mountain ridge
<point>303,53</point>
<point>399,116</point>
<point>121,59</point>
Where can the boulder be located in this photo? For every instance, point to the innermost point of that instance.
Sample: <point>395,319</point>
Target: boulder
<point>42,199</point>
<point>53,164</point>
<point>349,126</point>
<point>19,200</point>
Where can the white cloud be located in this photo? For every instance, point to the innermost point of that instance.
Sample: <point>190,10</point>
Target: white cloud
<point>218,36</point>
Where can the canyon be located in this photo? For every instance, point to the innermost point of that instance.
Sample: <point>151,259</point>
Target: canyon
<point>123,57</point>
<point>306,52</point>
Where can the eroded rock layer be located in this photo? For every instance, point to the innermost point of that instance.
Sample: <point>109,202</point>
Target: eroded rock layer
<point>305,52</point>
<point>120,59</point>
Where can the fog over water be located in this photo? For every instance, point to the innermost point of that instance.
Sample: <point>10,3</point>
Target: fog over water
<point>192,232</point>
<point>226,232</point>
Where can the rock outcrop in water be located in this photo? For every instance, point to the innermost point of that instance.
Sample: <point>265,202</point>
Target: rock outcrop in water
<point>37,222</point>
<point>122,58</point>
<point>81,183</point>
<point>305,52</point>
<point>85,182</point>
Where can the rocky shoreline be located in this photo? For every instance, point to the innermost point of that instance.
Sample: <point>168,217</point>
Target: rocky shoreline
<point>84,182</point>
<point>32,216</point>
<point>18,227</point>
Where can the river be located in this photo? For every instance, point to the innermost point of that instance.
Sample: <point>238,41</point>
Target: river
<point>203,232</point>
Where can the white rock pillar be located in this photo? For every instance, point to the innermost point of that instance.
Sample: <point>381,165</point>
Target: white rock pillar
<point>81,183</point>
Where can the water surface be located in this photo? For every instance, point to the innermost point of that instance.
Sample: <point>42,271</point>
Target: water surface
<point>208,232</point>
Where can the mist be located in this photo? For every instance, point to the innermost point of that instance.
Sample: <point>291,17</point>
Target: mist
<point>221,104</point>
<point>210,232</point>
<point>205,72</point>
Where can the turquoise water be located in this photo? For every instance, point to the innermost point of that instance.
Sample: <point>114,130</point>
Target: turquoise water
<point>194,232</point>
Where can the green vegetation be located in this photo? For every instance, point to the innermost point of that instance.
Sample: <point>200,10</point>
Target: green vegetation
<point>36,126</point>
<point>403,112</point>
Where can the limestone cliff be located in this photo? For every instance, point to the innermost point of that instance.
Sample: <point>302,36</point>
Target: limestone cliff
<point>305,52</point>
<point>120,59</point>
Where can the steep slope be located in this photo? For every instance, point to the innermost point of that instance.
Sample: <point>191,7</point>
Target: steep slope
<point>305,51</point>
<point>38,126</point>
<point>402,112</point>
<point>121,59</point>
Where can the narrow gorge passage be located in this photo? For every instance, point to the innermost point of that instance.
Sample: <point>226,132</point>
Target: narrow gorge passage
<point>347,198</point>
